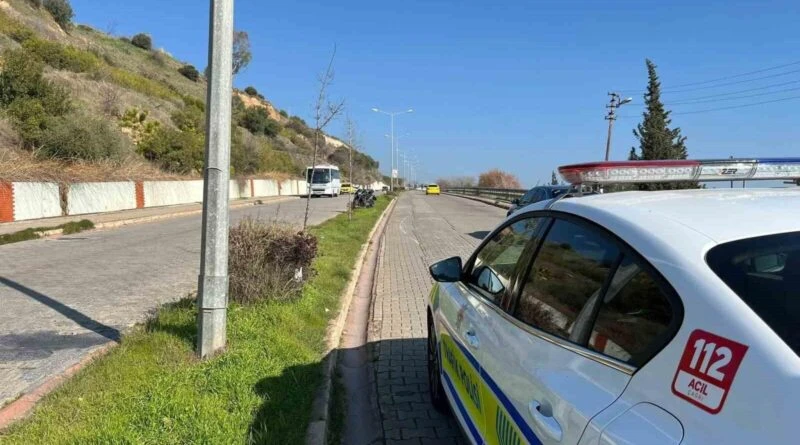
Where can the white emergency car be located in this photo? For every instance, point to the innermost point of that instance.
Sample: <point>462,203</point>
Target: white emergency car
<point>660,317</point>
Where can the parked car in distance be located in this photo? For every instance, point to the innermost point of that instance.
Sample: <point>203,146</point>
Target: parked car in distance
<point>536,194</point>
<point>347,188</point>
<point>432,189</point>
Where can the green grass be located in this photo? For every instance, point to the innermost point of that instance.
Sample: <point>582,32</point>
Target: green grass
<point>151,389</point>
<point>35,232</point>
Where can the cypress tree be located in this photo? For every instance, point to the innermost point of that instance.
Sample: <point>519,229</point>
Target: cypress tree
<point>656,139</point>
<point>554,179</point>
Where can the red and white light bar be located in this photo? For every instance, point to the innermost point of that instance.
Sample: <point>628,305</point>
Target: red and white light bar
<point>681,170</point>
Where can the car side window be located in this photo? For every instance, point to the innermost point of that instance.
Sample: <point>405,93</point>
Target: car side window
<point>497,260</point>
<point>527,198</point>
<point>571,268</point>
<point>634,316</point>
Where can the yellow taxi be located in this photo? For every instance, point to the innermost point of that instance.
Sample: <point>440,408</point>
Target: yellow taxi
<point>347,188</point>
<point>432,189</point>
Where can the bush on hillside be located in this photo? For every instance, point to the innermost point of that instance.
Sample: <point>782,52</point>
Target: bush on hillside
<point>174,150</point>
<point>143,41</point>
<point>299,126</point>
<point>189,118</point>
<point>251,91</point>
<point>30,120</point>
<point>73,138</point>
<point>191,101</point>
<point>62,57</point>
<point>30,99</point>
<point>284,113</point>
<point>264,261</point>
<point>61,11</point>
<point>257,121</point>
<point>189,72</point>
<point>246,152</point>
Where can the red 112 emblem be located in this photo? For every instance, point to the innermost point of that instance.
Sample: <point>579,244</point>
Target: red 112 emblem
<point>706,370</point>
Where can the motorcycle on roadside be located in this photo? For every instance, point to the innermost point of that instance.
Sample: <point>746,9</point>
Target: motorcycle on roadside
<point>364,198</point>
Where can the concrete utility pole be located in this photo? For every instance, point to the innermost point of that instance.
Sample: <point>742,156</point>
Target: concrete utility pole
<point>614,103</point>
<point>212,293</point>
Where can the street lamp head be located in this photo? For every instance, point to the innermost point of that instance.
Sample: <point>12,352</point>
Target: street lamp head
<point>625,101</point>
<point>410,110</point>
<point>376,110</point>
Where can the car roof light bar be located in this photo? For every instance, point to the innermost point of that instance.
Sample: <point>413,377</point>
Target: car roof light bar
<point>681,170</point>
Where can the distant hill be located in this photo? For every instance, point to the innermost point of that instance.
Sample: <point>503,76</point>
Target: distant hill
<point>79,104</point>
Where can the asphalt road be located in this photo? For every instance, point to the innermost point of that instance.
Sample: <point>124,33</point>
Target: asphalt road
<point>62,298</point>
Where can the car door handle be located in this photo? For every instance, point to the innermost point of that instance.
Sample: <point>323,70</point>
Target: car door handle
<point>472,339</point>
<point>548,424</point>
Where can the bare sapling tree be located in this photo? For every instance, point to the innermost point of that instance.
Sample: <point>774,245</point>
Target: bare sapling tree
<point>351,144</point>
<point>325,111</point>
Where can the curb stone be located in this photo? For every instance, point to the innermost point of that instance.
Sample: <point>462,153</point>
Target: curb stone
<point>317,432</point>
<point>145,219</point>
<point>22,406</point>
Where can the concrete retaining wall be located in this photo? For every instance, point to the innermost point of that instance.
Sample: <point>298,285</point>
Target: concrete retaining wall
<point>240,189</point>
<point>167,193</point>
<point>33,200</point>
<point>98,197</point>
<point>265,187</point>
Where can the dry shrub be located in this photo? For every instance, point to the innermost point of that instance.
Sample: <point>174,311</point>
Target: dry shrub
<point>264,261</point>
<point>496,178</point>
<point>23,165</point>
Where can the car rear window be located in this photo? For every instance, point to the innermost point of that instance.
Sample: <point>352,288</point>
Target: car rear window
<point>765,273</point>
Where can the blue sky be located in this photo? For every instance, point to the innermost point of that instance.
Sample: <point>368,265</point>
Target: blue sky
<point>517,85</point>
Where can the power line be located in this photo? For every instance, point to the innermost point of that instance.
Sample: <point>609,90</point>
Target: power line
<point>722,99</point>
<point>692,102</point>
<point>731,93</point>
<point>724,84</point>
<point>709,110</point>
<point>735,76</point>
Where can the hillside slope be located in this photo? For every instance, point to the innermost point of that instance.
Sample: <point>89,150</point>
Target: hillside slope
<point>79,104</point>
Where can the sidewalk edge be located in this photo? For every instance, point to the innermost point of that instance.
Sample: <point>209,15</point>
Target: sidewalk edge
<point>317,432</point>
<point>23,406</point>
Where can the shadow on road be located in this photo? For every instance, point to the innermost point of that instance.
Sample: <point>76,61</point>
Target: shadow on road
<point>480,234</point>
<point>390,402</point>
<point>74,315</point>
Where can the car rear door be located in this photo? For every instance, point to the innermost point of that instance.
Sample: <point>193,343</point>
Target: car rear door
<point>547,383</point>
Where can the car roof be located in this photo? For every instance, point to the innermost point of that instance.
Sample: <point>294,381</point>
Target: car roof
<point>721,215</point>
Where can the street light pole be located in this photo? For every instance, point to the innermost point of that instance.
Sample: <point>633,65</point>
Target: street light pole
<point>212,292</point>
<point>614,103</point>
<point>392,115</point>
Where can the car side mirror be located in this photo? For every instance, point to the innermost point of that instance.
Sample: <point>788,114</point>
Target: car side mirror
<point>515,201</point>
<point>447,271</point>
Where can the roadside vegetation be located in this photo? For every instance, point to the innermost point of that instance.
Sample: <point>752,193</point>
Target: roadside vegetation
<point>36,232</point>
<point>67,93</point>
<point>152,389</point>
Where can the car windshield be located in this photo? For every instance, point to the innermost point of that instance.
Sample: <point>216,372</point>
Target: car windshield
<point>320,176</point>
<point>559,192</point>
<point>765,273</point>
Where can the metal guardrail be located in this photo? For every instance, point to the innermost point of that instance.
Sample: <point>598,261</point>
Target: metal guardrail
<point>506,195</point>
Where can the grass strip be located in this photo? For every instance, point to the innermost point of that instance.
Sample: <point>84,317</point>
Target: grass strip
<point>152,389</point>
<point>36,232</point>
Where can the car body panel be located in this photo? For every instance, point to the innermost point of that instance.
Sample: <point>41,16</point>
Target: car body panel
<point>673,232</point>
<point>537,194</point>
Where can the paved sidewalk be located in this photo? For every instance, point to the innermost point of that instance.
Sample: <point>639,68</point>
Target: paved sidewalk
<point>422,230</point>
<point>65,297</point>
<point>151,213</point>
